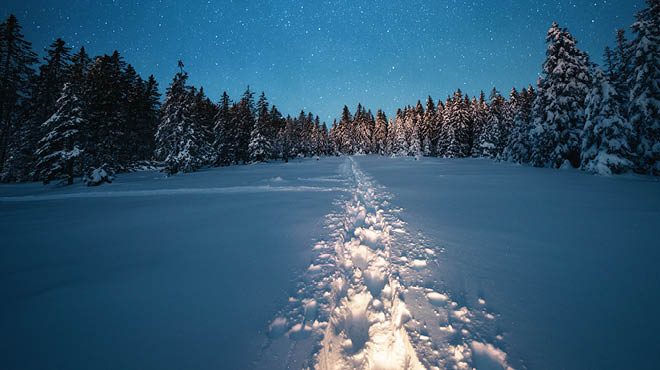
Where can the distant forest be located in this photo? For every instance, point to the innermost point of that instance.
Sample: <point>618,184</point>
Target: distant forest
<point>76,116</point>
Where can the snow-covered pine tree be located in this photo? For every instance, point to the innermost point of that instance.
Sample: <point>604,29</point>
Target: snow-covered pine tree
<point>311,135</point>
<point>222,146</point>
<point>204,113</point>
<point>558,111</point>
<point>244,122</point>
<point>428,127</point>
<point>439,125</point>
<point>622,64</point>
<point>277,124</point>
<point>52,76</point>
<point>380,133</point>
<point>344,132</point>
<point>317,149</point>
<point>333,137</point>
<point>519,148</point>
<point>456,134</point>
<point>479,116</point>
<point>78,69</point>
<point>16,61</point>
<point>389,140</point>
<point>399,140</point>
<point>104,136</point>
<point>146,121</point>
<point>412,121</point>
<point>287,139</point>
<point>506,126</point>
<point>179,140</point>
<point>490,138</point>
<point>644,82</point>
<point>606,134</point>
<point>442,142</point>
<point>326,147</point>
<point>415,148</point>
<point>260,146</point>
<point>59,147</point>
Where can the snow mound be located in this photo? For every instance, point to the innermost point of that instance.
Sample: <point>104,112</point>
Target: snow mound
<point>98,176</point>
<point>437,299</point>
<point>418,264</point>
<point>277,328</point>
<point>486,357</point>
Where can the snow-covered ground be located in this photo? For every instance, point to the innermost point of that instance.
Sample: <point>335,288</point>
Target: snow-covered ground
<point>361,262</point>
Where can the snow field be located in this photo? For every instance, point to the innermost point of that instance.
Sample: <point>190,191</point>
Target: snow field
<point>370,310</point>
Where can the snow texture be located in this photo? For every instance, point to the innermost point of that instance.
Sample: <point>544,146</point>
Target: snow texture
<point>348,262</point>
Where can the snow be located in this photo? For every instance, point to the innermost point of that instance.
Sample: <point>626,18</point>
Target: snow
<point>337,263</point>
<point>488,357</point>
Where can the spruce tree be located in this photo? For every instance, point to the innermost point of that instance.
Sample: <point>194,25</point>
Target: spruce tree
<point>260,146</point>
<point>518,150</point>
<point>243,122</point>
<point>344,132</point>
<point>428,127</point>
<point>622,64</point>
<point>223,134</point>
<point>380,133</point>
<point>558,111</point>
<point>644,82</point>
<point>59,147</point>
<point>489,142</point>
<point>52,76</point>
<point>277,125</point>
<point>399,140</point>
<point>179,141</point>
<point>16,61</point>
<point>606,134</point>
<point>479,115</point>
<point>455,140</point>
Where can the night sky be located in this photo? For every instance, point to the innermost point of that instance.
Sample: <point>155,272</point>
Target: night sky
<point>320,55</point>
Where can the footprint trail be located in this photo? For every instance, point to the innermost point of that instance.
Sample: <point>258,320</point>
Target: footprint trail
<point>368,299</point>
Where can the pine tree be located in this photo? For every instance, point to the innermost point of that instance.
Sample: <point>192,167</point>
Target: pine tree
<point>399,140</point>
<point>606,134</point>
<point>479,116</point>
<point>489,142</point>
<point>146,121</point>
<point>243,122</point>
<point>428,127</point>
<point>222,145</point>
<point>79,68</point>
<point>415,148</point>
<point>277,125</point>
<point>644,82</point>
<point>105,99</point>
<point>344,132</point>
<point>518,150</point>
<point>455,140</point>
<point>16,61</point>
<point>558,111</point>
<point>59,147</point>
<point>53,74</point>
<point>326,146</point>
<point>260,146</point>
<point>380,133</point>
<point>204,113</point>
<point>179,142</point>
<point>622,63</point>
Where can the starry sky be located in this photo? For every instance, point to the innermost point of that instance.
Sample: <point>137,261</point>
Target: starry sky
<point>320,55</point>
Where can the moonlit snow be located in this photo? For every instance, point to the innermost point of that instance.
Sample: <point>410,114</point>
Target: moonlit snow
<point>341,263</point>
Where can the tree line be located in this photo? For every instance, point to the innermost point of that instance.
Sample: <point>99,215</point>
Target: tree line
<point>74,115</point>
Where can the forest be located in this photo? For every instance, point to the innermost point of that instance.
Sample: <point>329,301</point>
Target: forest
<point>75,116</point>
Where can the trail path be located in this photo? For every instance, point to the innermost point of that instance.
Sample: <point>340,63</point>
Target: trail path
<point>368,299</point>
